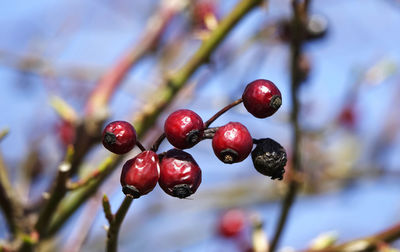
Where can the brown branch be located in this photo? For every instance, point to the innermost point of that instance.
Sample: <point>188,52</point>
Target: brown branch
<point>57,194</point>
<point>298,23</point>
<point>366,244</point>
<point>222,111</point>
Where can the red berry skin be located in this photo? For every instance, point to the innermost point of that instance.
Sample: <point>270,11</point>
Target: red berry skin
<point>183,128</point>
<point>262,98</point>
<point>140,174</point>
<point>66,132</point>
<point>180,175</point>
<point>232,223</point>
<point>119,137</point>
<point>232,143</point>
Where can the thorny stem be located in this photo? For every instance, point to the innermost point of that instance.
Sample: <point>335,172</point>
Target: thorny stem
<point>296,48</point>
<point>115,223</point>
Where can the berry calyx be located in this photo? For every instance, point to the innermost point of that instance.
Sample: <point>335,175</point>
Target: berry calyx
<point>140,174</point>
<point>232,143</point>
<point>262,98</point>
<point>119,137</point>
<point>269,158</point>
<point>184,128</point>
<point>180,175</point>
<point>232,223</point>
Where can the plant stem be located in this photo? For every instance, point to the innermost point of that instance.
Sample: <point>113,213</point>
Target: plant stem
<point>297,37</point>
<point>161,138</point>
<point>223,110</point>
<point>366,244</point>
<point>115,224</point>
<point>58,192</point>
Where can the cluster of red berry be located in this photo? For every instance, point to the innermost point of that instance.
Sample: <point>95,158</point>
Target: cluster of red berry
<point>176,171</point>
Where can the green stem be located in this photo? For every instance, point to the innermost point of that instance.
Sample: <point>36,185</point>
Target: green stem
<point>115,224</point>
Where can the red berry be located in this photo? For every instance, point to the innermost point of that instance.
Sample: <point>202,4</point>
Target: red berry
<point>184,128</point>
<point>140,174</point>
<point>232,223</point>
<point>262,98</point>
<point>180,175</point>
<point>66,132</point>
<point>119,137</point>
<point>232,143</point>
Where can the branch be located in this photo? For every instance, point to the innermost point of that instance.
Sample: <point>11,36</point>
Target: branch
<point>296,48</point>
<point>366,244</point>
<point>144,120</point>
<point>8,202</point>
<point>87,133</point>
<point>115,221</point>
<point>57,194</point>
<point>71,203</point>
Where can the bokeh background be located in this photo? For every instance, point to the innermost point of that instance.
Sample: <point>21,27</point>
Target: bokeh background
<point>349,115</point>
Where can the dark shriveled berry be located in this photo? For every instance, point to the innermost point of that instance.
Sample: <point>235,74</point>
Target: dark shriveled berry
<point>269,158</point>
<point>180,175</point>
<point>140,174</point>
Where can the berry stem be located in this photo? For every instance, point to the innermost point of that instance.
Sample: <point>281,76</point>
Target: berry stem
<point>296,42</point>
<point>140,145</point>
<point>161,138</point>
<point>116,221</point>
<point>222,111</point>
<point>157,143</point>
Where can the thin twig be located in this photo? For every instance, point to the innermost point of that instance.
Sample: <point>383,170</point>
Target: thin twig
<point>158,142</point>
<point>9,203</point>
<point>296,48</point>
<point>161,138</point>
<point>3,133</point>
<point>366,244</point>
<point>140,145</point>
<point>107,209</point>
<point>58,192</point>
<point>115,224</point>
<point>223,110</point>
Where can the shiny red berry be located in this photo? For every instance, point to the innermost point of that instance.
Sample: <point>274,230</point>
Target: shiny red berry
<point>119,137</point>
<point>232,223</point>
<point>183,128</point>
<point>140,174</point>
<point>180,175</point>
<point>262,98</point>
<point>232,143</point>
